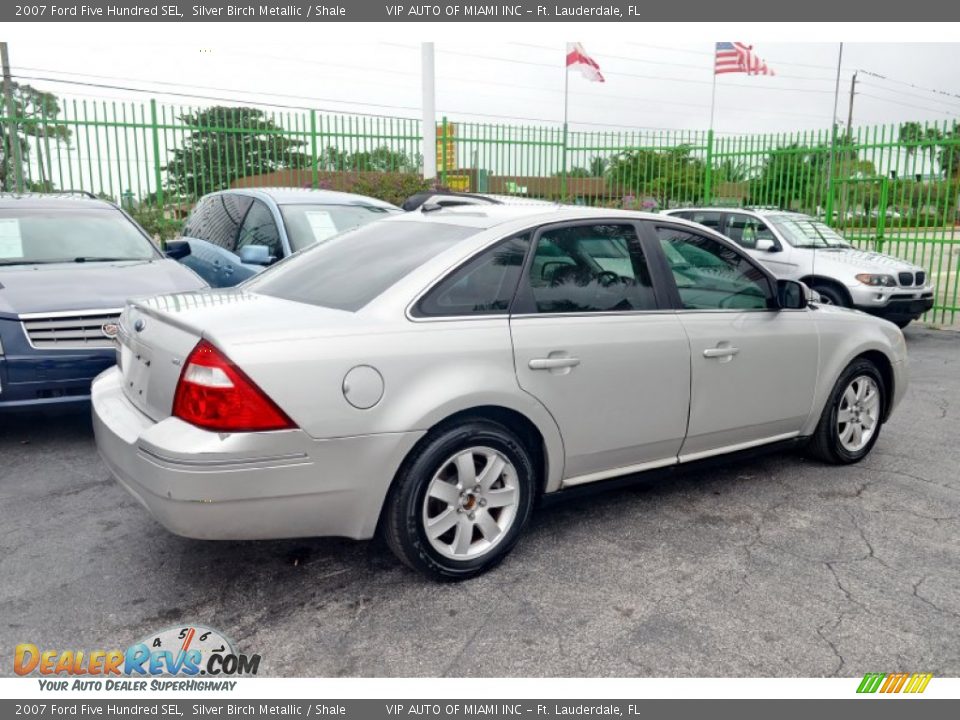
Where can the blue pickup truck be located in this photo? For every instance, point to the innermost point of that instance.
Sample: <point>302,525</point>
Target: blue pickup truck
<point>68,263</point>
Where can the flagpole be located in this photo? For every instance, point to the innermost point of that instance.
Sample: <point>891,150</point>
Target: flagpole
<point>713,97</point>
<point>708,179</point>
<point>566,107</point>
<point>828,211</point>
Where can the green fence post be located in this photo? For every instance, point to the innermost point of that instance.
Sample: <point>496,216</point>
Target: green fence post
<point>156,151</point>
<point>708,176</point>
<point>882,216</point>
<point>443,152</point>
<point>315,172</point>
<point>563,169</point>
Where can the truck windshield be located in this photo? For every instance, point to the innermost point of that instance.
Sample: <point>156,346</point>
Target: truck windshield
<point>31,236</point>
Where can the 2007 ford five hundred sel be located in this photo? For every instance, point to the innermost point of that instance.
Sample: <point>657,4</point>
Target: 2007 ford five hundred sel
<point>430,375</point>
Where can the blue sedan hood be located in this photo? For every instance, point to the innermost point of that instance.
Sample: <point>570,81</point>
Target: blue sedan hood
<point>89,286</point>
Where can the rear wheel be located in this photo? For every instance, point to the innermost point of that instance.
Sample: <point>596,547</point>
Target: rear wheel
<point>829,295</point>
<point>851,419</point>
<point>460,503</point>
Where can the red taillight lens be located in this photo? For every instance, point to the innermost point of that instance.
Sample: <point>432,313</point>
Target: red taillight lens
<point>215,394</point>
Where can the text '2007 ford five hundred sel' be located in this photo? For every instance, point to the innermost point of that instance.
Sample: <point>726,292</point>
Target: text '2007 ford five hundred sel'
<point>431,375</point>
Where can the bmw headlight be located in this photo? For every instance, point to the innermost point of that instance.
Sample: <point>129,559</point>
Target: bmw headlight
<point>877,280</point>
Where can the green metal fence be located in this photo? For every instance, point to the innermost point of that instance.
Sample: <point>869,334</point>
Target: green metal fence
<point>890,188</point>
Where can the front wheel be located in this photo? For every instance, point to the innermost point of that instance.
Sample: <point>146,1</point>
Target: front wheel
<point>829,295</point>
<point>850,423</point>
<point>461,501</point>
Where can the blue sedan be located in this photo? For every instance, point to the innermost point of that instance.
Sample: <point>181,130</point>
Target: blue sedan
<point>233,234</point>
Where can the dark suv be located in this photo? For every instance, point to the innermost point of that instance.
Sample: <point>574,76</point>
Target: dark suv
<point>68,263</point>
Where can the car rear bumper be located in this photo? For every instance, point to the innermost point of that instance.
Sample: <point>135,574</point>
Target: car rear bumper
<point>236,486</point>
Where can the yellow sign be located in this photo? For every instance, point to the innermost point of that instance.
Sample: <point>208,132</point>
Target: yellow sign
<point>460,183</point>
<point>446,156</point>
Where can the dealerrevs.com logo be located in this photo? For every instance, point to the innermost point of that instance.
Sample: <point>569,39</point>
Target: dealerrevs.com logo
<point>182,651</point>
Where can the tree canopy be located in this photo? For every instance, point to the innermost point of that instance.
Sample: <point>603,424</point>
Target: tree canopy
<point>226,143</point>
<point>37,113</point>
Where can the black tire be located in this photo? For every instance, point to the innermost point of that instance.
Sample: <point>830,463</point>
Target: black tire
<point>832,295</point>
<point>901,322</point>
<point>403,520</point>
<point>825,443</point>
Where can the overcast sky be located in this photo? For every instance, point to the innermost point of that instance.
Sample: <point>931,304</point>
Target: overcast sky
<point>666,85</point>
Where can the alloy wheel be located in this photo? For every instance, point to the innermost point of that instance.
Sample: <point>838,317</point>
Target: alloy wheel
<point>859,413</point>
<point>470,503</point>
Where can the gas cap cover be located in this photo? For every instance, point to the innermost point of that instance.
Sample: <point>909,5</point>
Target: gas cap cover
<point>363,387</point>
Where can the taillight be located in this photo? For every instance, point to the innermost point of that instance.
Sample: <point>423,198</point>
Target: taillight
<point>215,394</point>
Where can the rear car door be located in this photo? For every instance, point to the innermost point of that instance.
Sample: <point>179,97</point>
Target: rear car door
<point>754,366</point>
<point>592,344</point>
<point>211,231</point>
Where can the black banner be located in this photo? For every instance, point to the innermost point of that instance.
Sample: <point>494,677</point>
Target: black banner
<point>460,11</point>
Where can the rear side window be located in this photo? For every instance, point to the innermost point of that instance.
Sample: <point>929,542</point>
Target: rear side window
<point>483,286</point>
<point>217,219</point>
<point>350,270</point>
<point>708,219</point>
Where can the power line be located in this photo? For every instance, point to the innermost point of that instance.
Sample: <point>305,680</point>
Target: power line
<point>303,107</point>
<point>938,111</point>
<point>911,85</point>
<point>881,88</point>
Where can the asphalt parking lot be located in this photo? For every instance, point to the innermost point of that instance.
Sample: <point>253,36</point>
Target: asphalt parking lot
<point>774,566</point>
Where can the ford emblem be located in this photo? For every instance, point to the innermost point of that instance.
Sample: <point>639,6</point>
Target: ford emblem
<point>110,329</point>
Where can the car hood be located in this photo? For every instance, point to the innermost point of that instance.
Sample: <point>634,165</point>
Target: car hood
<point>863,260</point>
<point>89,286</point>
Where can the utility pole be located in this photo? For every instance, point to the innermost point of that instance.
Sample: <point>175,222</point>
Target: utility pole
<point>13,139</point>
<point>853,90</point>
<point>429,120</point>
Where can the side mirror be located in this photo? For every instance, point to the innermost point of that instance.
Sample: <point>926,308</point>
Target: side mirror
<point>792,294</point>
<point>177,249</point>
<point>255,255</point>
<point>766,245</point>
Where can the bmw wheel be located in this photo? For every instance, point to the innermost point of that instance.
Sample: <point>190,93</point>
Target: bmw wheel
<point>460,502</point>
<point>829,295</point>
<point>851,420</point>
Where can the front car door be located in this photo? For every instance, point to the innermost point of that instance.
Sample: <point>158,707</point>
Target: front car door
<point>258,233</point>
<point>593,345</point>
<point>211,230</point>
<point>748,231</point>
<point>753,366</point>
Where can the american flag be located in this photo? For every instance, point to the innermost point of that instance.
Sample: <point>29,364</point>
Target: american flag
<point>737,57</point>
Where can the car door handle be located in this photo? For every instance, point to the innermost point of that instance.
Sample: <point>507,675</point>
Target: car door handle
<point>553,363</point>
<point>720,352</point>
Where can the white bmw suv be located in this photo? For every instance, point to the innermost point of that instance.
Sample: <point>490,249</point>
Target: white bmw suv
<point>798,247</point>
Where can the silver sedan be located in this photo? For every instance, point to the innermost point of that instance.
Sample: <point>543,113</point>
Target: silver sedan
<point>431,375</point>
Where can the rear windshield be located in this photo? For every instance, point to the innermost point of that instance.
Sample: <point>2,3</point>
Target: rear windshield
<point>309,224</point>
<point>34,236</point>
<point>350,270</point>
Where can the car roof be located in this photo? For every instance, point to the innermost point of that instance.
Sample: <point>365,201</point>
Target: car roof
<point>489,216</point>
<point>294,195</point>
<point>764,212</point>
<point>58,201</point>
